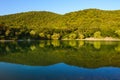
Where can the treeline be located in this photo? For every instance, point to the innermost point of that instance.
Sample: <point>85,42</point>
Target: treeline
<point>24,33</point>
<point>47,25</point>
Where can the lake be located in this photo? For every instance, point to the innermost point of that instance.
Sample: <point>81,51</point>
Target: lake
<point>60,60</point>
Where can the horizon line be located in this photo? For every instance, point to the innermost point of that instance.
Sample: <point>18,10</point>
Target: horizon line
<point>58,12</point>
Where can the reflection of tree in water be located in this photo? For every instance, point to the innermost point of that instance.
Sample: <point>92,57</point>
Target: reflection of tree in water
<point>42,44</point>
<point>55,43</point>
<point>117,48</point>
<point>97,44</point>
<point>32,47</point>
<point>25,46</point>
<point>72,43</point>
<point>78,53</point>
<point>80,43</point>
<point>14,47</point>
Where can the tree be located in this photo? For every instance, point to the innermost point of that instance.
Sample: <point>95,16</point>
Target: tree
<point>48,36</point>
<point>81,36</point>
<point>32,33</point>
<point>72,36</point>
<point>55,36</point>
<point>42,35</point>
<point>118,33</point>
<point>97,34</point>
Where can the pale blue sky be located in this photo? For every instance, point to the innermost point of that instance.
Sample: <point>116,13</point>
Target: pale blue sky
<point>57,6</point>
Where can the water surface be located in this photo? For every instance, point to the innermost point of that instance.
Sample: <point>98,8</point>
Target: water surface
<point>60,60</point>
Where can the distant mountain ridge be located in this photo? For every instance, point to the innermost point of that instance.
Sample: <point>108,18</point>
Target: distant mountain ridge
<point>85,22</point>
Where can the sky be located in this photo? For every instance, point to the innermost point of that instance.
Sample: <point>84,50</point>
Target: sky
<point>57,6</point>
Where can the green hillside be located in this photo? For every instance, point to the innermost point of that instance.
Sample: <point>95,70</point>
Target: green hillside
<point>74,25</point>
<point>32,20</point>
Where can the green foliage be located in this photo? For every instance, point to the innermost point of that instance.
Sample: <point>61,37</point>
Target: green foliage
<point>72,36</point>
<point>81,36</point>
<point>97,34</point>
<point>42,35</point>
<point>118,33</point>
<point>55,36</point>
<point>32,32</point>
<point>7,32</point>
<point>45,24</point>
<point>48,36</point>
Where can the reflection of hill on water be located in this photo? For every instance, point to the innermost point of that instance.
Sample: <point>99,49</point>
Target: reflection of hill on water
<point>78,53</point>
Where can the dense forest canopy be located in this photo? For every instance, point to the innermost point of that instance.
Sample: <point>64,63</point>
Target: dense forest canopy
<point>47,25</point>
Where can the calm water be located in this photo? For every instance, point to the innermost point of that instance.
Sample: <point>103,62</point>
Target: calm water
<point>60,60</point>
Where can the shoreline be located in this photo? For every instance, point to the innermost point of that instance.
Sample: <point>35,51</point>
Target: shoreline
<point>97,39</point>
<point>86,39</point>
<point>103,39</point>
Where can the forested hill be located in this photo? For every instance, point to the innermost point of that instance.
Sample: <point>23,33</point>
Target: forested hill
<point>74,25</point>
<point>33,19</point>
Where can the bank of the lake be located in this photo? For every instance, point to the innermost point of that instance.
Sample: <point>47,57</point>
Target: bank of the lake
<point>86,39</point>
<point>97,39</point>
